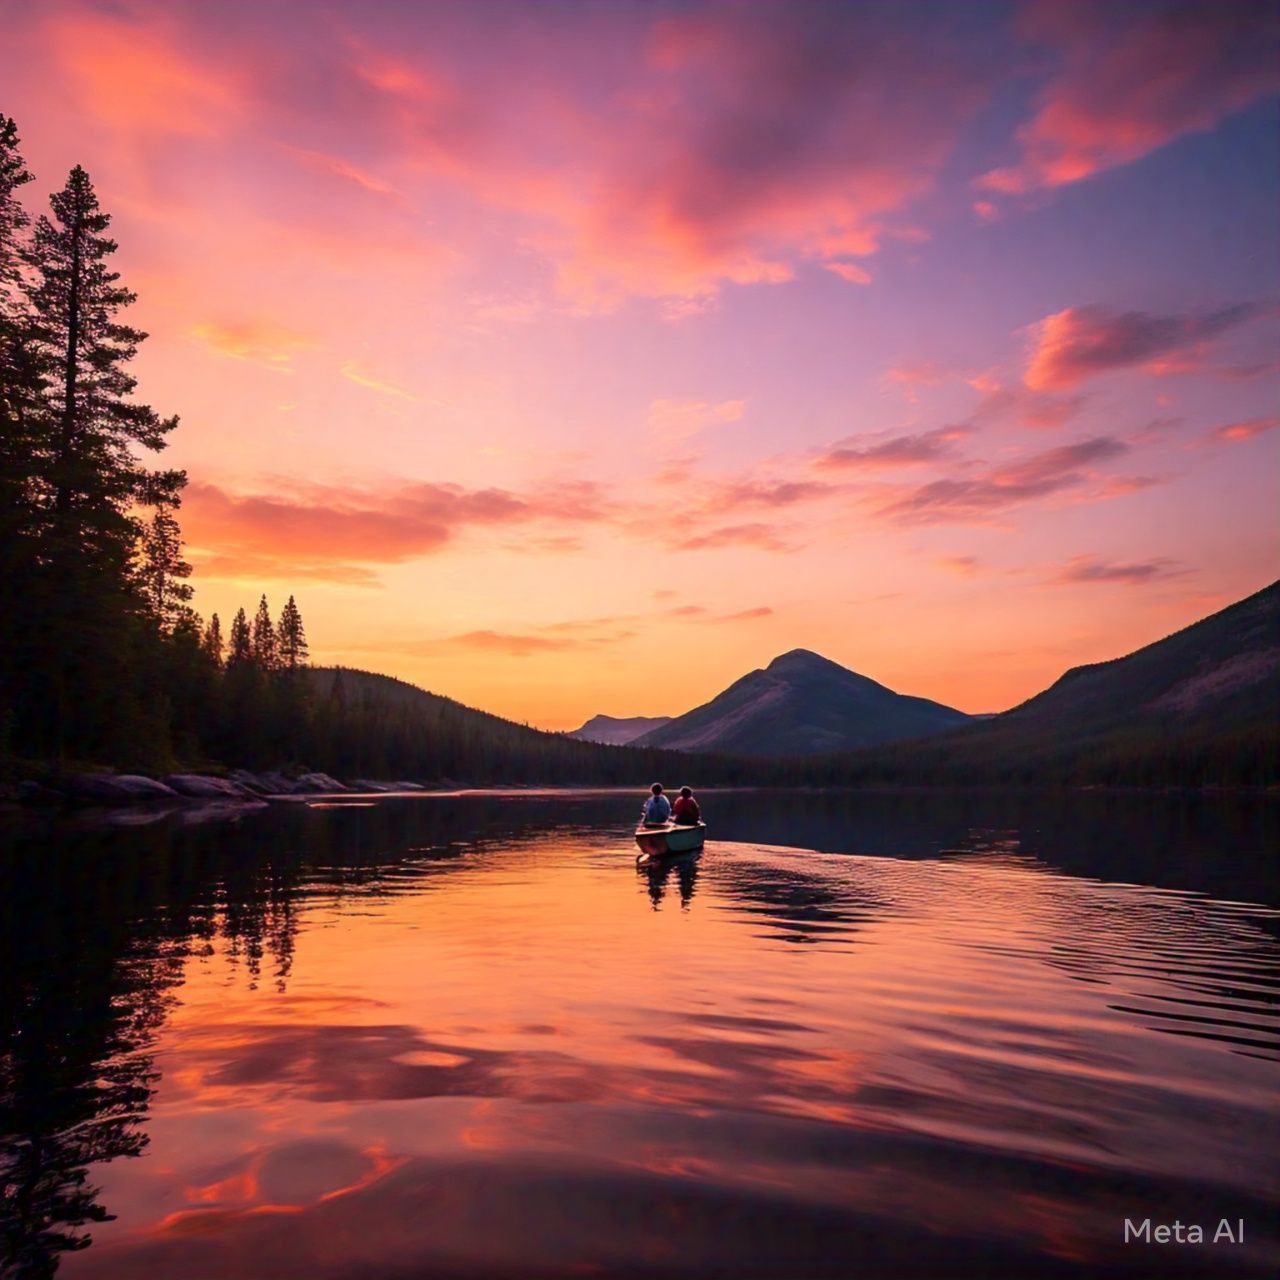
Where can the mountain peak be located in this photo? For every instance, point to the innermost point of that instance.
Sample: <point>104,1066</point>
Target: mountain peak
<point>801,660</point>
<point>802,704</point>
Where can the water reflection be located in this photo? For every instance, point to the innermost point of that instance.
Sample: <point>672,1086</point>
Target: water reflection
<point>659,871</point>
<point>437,1034</point>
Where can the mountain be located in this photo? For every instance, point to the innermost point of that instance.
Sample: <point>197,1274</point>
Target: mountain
<point>364,725</point>
<point>617,731</point>
<point>802,704</point>
<point>1199,706</point>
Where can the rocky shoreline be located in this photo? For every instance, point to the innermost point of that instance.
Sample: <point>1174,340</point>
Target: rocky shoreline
<point>238,786</point>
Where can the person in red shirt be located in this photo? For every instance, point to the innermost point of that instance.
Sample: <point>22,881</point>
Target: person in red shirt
<point>685,811</point>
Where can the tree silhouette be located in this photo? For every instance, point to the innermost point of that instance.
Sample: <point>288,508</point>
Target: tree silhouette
<point>263,641</point>
<point>213,640</point>
<point>292,638</point>
<point>163,572</point>
<point>240,647</point>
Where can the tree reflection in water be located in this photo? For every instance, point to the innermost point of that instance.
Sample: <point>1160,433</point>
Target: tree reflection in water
<point>95,928</point>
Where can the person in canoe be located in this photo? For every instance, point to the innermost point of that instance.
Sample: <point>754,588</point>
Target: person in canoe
<point>685,811</point>
<point>657,808</point>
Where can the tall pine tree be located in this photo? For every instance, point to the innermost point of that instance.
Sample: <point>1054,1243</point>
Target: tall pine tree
<point>265,648</point>
<point>213,641</point>
<point>292,638</point>
<point>162,572</point>
<point>92,469</point>
<point>240,645</point>
<point>86,457</point>
<point>20,385</point>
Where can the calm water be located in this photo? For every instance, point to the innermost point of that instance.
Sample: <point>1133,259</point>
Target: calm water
<point>437,1036</point>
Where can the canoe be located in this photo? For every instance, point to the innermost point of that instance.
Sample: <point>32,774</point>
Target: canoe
<point>658,842</point>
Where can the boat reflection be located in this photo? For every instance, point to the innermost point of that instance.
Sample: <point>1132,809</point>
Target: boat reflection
<point>658,871</point>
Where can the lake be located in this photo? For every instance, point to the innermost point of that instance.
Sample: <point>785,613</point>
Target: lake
<point>860,1035</point>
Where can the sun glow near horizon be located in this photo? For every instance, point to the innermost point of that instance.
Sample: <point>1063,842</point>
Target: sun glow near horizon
<point>580,359</point>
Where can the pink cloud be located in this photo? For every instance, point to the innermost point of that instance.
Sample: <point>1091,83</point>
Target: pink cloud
<point>1001,488</point>
<point>319,162</point>
<point>1087,569</point>
<point>745,615</point>
<point>1021,404</point>
<point>1081,342</point>
<point>784,493</point>
<point>897,451</point>
<point>761,537</point>
<point>1234,432</point>
<point>676,420</point>
<point>1134,77</point>
<point>748,140</point>
<point>849,271</point>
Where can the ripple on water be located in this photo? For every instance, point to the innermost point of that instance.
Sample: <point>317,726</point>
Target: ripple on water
<point>514,1054</point>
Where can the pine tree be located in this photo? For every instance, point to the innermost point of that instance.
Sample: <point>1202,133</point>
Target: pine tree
<point>213,640</point>
<point>292,638</point>
<point>163,572</point>
<point>20,386</point>
<point>93,472</point>
<point>90,694</point>
<point>240,645</point>
<point>17,385</point>
<point>265,647</point>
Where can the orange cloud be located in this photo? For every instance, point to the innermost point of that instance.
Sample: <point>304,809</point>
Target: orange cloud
<point>132,74</point>
<point>257,342</point>
<point>745,615</point>
<point>963,566</point>
<point>522,646</point>
<point>1133,78</point>
<point>353,373</point>
<point>1081,342</point>
<point>335,533</point>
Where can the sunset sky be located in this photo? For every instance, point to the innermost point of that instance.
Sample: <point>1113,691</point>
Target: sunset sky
<point>576,358</point>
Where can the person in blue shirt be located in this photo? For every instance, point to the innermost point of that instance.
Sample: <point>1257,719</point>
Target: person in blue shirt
<point>657,808</point>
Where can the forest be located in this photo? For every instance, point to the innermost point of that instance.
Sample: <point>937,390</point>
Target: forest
<point>103,660</point>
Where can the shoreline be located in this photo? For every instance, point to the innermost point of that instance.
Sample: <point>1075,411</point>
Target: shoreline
<point>240,790</point>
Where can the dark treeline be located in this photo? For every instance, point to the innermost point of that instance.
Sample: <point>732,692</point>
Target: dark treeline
<point>359,724</point>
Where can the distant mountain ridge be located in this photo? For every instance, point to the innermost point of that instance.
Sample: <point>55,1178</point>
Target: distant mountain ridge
<point>617,731</point>
<point>802,704</point>
<point>1200,705</point>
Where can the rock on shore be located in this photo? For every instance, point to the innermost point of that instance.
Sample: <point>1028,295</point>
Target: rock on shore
<point>240,787</point>
<point>113,788</point>
<point>203,787</point>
